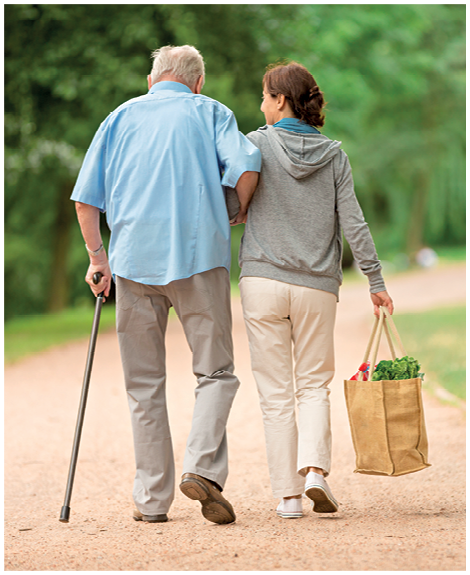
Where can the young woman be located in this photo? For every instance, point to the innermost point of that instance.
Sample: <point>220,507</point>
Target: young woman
<point>290,258</point>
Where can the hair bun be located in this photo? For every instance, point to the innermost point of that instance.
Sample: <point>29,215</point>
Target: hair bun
<point>314,91</point>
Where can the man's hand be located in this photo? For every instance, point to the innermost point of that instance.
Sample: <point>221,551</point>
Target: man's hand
<point>99,264</point>
<point>379,299</point>
<point>240,218</point>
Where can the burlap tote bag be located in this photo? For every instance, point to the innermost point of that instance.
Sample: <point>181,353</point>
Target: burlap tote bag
<point>386,417</point>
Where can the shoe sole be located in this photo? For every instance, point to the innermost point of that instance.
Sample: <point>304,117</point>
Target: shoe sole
<point>213,509</point>
<point>322,502</point>
<point>150,519</point>
<point>289,515</point>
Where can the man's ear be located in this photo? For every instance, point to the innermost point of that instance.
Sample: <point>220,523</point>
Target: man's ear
<point>199,84</point>
<point>149,81</point>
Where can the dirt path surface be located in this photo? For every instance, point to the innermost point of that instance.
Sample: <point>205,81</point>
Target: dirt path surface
<point>414,522</point>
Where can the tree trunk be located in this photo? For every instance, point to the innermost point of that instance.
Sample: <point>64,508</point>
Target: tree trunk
<point>59,280</point>
<point>417,217</point>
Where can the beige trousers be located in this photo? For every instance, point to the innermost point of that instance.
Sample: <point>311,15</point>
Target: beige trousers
<point>202,303</point>
<point>290,332</point>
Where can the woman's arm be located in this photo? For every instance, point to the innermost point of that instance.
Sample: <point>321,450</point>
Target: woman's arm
<point>357,233</point>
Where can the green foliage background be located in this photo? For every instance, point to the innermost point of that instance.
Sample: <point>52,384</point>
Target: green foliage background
<point>437,339</point>
<point>393,75</point>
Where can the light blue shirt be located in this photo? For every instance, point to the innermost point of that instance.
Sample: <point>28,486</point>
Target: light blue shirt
<point>156,166</point>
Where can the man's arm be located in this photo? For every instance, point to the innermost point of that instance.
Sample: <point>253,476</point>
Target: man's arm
<point>245,187</point>
<point>89,220</point>
<point>236,154</point>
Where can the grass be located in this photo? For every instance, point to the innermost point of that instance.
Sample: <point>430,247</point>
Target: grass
<point>24,336</point>
<point>452,253</point>
<point>437,340</point>
<point>27,335</point>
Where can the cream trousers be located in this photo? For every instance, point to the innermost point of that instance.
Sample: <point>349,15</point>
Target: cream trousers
<point>290,332</point>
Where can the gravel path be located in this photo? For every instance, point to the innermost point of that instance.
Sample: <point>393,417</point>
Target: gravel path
<point>414,522</point>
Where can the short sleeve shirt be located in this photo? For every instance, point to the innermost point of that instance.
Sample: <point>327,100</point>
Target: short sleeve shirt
<point>156,166</point>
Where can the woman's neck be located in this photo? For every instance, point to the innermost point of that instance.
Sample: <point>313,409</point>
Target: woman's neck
<point>285,114</point>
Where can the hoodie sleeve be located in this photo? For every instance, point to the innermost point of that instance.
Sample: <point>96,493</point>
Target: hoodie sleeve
<point>232,201</point>
<point>355,228</point>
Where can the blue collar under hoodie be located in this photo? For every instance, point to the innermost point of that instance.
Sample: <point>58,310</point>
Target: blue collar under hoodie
<point>296,125</point>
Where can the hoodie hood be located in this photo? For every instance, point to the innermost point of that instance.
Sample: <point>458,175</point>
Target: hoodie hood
<point>300,154</point>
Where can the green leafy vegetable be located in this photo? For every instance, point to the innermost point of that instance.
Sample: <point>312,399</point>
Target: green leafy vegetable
<point>401,368</point>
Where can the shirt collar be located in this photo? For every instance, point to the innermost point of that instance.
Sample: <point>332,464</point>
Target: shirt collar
<point>167,85</point>
<point>296,125</point>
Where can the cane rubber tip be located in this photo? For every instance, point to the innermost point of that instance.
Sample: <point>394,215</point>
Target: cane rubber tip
<point>64,514</point>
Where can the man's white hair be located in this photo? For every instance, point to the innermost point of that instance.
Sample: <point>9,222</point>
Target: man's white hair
<point>185,62</point>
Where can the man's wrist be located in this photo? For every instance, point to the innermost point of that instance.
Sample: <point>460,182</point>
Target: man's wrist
<point>100,259</point>
<point>94,252</point>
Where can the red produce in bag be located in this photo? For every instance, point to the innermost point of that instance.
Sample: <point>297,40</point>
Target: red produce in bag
<point>363,372</point>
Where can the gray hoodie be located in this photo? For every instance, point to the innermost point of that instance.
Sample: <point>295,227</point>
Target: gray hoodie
<point>304,198</point>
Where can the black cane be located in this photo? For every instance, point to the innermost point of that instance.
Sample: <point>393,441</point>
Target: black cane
<point>65,511</point>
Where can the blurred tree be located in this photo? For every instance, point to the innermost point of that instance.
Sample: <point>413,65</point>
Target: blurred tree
<point>66,68</point>
<point>394,76</point>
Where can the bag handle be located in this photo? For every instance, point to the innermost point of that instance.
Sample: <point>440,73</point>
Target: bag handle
<point>375,348</point>
<point>392,326</point>
<point>383,321</point>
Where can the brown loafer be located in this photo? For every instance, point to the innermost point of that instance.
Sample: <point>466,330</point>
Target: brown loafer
<point>138,516</point>
<point>215,507</point>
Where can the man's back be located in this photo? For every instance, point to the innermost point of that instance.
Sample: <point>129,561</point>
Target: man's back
<point>155,168</point>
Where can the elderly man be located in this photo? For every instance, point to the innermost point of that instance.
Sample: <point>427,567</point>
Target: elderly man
<point>157,166</point>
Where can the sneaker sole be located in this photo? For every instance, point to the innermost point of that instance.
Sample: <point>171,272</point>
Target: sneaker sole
<point>212,509</point>
<point>322,502</point>
<point>289,515</point>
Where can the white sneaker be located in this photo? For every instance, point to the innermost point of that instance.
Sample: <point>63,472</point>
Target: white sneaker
<point>290,508</point>
<point>316,489</point>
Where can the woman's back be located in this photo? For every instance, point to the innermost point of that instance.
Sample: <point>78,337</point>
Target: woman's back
<point>305,192</point>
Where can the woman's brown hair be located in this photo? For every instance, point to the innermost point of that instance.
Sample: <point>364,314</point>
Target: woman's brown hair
<point>299,87</point>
